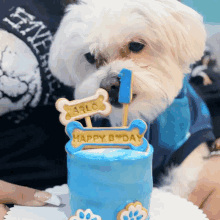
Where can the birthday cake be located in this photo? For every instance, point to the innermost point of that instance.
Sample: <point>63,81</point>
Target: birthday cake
<point>109,169</point>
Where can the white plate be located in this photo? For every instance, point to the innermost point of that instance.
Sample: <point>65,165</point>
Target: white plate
<point>164,206</point>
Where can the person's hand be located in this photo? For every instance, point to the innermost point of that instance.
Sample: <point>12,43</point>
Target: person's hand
<point>20,195</point>
<point>206,194</point>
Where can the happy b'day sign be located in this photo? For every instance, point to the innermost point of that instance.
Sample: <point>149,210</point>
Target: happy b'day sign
<point>90,137</point>
<point>117,137</point>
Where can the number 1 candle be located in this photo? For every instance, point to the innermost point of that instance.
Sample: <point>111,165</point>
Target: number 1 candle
<point>125,92</point>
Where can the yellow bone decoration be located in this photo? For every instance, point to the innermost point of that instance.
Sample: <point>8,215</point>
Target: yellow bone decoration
<point>78,109</point>
<point>84,108</point>
<point>120,137</point>
<point>106,137</point>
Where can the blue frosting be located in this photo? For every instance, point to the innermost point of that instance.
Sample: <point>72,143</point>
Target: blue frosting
<point>125,86</point>
<point>106,180</point>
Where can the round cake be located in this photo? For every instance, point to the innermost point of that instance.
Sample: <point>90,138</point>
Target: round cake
<point>109,169</point>
<point>110,183</point>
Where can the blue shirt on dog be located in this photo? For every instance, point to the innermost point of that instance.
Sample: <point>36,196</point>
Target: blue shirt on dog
<point>180,129</point>
<point>175,133</point>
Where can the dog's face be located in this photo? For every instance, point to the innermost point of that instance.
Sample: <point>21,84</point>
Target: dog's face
<point>156,39</point>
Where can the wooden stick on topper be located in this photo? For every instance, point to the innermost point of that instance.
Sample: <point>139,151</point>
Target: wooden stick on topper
<point>125,92</point>
<point>84,108</point>
<point>88,121</point>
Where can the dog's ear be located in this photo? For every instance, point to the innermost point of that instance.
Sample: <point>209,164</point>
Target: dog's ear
<point>180,30</point>
<point>62,57</point>
<point>57,61</point>
<point>189,33</point>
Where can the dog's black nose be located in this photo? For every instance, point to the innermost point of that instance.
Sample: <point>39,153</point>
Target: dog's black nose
<point>112,84</point>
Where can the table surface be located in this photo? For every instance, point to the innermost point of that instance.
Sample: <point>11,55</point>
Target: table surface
<point>164,206</point>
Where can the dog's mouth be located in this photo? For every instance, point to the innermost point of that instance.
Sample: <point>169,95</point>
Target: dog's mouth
<point>113,97</point>
<point>112,85</point>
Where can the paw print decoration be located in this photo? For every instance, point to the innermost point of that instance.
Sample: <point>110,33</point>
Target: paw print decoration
<point>85,215</point>
<point>133,211</point>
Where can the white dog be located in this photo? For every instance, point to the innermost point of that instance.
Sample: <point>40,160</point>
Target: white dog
<point>156,39</point>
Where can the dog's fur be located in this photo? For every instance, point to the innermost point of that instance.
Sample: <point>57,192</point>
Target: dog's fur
<point>174,37</point>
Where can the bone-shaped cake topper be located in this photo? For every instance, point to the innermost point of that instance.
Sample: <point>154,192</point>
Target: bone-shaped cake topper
<point>78,109</point>
<point>118,137</point>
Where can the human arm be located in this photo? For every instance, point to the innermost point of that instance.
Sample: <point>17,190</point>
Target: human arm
<point>206,194</point>
<point>20,195</point>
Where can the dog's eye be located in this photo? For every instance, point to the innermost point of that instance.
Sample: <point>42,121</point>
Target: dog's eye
<point>135,46</point>
<point>90,58</point>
